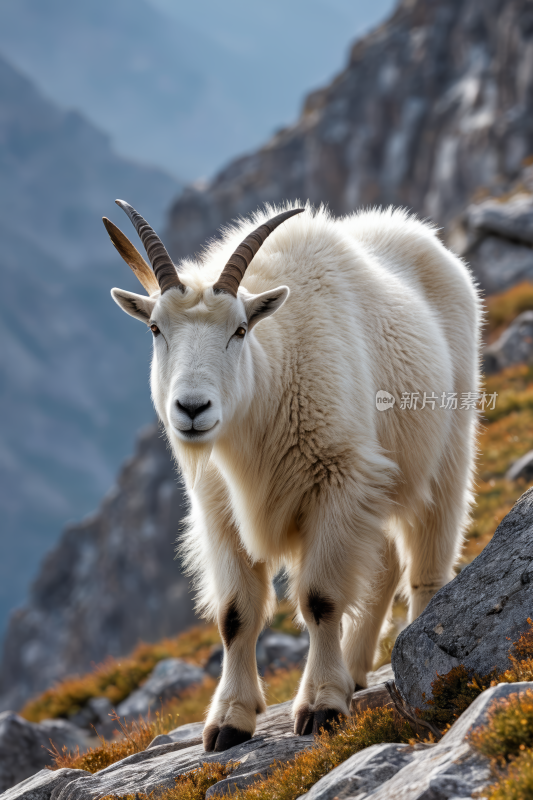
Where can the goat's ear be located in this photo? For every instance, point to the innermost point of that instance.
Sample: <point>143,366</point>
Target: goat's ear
<point>261,306</point>
<point>136,305</point>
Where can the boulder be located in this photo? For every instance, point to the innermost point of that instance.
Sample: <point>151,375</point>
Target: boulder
<point>510,217</point>
<point>42,785</point>
<point>499,263</point>
<point>169,679</point>
<point>523,468</point>
<point>515,345</point>
<point>159,765</point>
<point>449,769</point>
<point>24,746</point>
<point>474,619</point>
<point>278,650</point>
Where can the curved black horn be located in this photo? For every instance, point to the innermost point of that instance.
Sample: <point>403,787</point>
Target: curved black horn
<point>233,273</point>
<point>162,264</point>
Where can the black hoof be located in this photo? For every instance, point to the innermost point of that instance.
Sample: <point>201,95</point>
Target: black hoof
<point>303,724</point>
<point>230,737</point>
<point>210,735</point>
<point>326,719</point>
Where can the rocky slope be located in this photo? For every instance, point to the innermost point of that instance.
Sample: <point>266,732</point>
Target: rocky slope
<point>431,106</point>
<point>110,581</point>
<point>73,384</point>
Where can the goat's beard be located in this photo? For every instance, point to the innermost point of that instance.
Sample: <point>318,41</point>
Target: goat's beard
<point>193,459</point>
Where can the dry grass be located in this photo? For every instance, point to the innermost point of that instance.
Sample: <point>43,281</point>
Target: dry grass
<point>454,692</point>
<point>515,783</point>
<point>117,678</point>
<point>502,441</point>
<point>503,308</point>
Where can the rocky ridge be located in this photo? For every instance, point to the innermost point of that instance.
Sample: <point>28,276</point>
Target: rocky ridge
<point>432,106</point>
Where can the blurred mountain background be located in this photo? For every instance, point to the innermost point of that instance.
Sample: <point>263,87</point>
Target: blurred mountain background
<point>432,110</point>
<point>184,86</point>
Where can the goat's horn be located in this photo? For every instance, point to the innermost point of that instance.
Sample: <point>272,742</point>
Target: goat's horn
<point>233,273</point>
<point>164,269</point>
<point>131,256</point>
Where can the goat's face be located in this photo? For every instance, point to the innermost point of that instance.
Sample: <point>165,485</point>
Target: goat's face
<point>202,368</point>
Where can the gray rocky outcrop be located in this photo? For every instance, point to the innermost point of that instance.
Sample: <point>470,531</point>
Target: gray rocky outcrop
<point>449,769</point>
<point>170,678</point>
<point>111,581</point>
<point>25,746</point>
<point>514,346</point>
<point>508,217</point>
<point>474,619</point>
<point>432,105</point>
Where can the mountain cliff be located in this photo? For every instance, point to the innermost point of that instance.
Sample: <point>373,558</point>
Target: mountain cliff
<point>110,581</point>
<point>434,104</point>
<point>72,368</point>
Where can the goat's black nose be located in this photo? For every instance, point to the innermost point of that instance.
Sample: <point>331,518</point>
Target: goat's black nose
<point>193,409</point>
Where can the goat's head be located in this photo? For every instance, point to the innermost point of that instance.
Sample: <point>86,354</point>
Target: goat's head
<point>201,367</point>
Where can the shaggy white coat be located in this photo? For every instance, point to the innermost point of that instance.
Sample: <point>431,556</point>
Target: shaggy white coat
<point>302,470</point>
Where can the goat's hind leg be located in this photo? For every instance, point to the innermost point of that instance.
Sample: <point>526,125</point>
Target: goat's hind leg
<point>360,636</point>
<point>326,581</point>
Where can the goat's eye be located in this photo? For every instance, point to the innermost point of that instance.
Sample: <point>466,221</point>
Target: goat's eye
<point>240,333</point>
<point>155,330</point>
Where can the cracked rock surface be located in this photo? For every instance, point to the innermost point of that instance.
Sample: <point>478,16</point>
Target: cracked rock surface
<point>448,770</point>
<point>474,619</point>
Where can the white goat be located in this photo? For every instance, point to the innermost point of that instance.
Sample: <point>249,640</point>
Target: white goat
<point>286,458</point>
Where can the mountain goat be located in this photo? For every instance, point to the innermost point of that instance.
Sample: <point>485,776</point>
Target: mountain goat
<point>270,405</point>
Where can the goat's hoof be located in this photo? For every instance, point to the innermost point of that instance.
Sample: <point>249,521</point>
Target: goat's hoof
<point>209,736</point>
<point>303,723</point>
<point>216,739</point>
<point>326,719</point>
<point>308,721</point>
<point>230,737</point>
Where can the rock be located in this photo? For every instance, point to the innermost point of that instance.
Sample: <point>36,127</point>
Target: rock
<point>273,651</point>
<point>111,581</point>
<point>474,619</point>
<point>95,716</point>
<point>511,217</point>
<point>169,678</point>
<point>523,468</point>
<point>161,764</point>
<point>499,263</point>
<point>515,345</point>
<point>374,697</point>
<point>280,650</point>
<point>213,665</point>
<point>43,785</point>
<point>397,125</point>
<point>449,769</point>
<point>24,746</point>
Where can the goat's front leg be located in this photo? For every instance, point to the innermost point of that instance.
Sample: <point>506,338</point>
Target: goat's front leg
<point>243,592</point>
<point>240,596</point>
